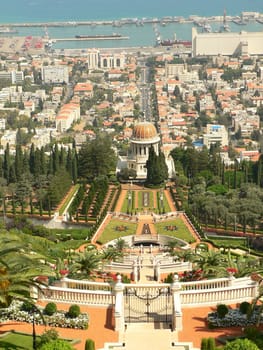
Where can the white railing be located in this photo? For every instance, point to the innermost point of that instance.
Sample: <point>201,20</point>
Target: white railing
<point>208,292</point>
<point>175,267</point>
<point>85,285</point>
<point>146,238</point>
<point>215,296</point>
<point>69,295</point>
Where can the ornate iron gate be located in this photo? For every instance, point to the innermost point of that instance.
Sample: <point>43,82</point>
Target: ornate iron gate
<point>153,305</point>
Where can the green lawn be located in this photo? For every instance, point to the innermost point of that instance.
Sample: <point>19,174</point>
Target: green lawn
<point>165,203</point>
<point>140,200</point>
<point>229,242</point>
<point>112,232</point>
<point>70,195</point>
<point>181,232</point>
<point>17,341</point>
<point>139,208</point>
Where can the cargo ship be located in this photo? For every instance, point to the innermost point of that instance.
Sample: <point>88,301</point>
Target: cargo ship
<point>174,42</point>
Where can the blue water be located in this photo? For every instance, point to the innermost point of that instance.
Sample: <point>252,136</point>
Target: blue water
<point>61,10</point>
<point>20,11</point>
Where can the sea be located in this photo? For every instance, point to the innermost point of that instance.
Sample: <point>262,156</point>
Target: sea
<point>73,11</point>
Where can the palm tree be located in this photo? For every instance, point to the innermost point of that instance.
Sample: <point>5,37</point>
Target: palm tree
<point>111,254</point>
<point>18,269</point>
<point>212,263</point>
<point>84,264</point>
<point>120,244</point>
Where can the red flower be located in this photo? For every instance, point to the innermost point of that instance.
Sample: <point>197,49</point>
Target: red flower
<point>64,272</point>
<point>231,270</point>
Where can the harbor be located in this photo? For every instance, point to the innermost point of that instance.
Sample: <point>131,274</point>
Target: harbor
<point>242,19</point>
<point>134,32</point>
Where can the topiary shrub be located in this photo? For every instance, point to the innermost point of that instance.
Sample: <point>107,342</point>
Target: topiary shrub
<point>27,306</point>
<point>204,344</point>
<point>50,309</point>
<point>241,344</point>
<point>74,311</point>
<point>89,345</point>
<point>244,307</point>
<point>211,344</point>
<point>222,310</point>
<point>57,345</point>
<point>48,336</point>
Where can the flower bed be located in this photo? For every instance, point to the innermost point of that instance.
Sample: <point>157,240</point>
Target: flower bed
<point>234,318</point>
<point>59,319</point>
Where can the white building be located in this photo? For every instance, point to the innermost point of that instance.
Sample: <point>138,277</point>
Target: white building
<point>227,44</point>
<point>15,77</point>
<point>2,123</point>
<point>115,60</point>
<point>215,134</point>
<point>68,114</point>
<point>93,59</point>
<point>8,137</point>
<point>41,138</point>
<point>55,74</point>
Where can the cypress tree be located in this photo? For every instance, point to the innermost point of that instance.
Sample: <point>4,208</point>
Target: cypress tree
<point>211,345</point>
<point>43,165</point>
<point>12,174</point>
<point>37,163</point>
<point>55,157</point>
<point>26,163</point>
<point>150,165</point>
<point>164,168</point>
<point>19,162</point>
<point>62,157</point>
<point>235,175</point>
<point>74,169</point>
<point>223,173</point>
<point>6,165</point>
<point>32,158</point>
<point>1,167</point>
<point>69,162</point>
<point>204,344</point>
<point>89,345</point>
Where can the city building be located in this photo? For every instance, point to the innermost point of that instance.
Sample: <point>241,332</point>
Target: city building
<point>55,74</point>
<point>215,134</point>
<point>15,77</point>
<point>226,43</point>
<point>67,115</point>
<point>115,60</point>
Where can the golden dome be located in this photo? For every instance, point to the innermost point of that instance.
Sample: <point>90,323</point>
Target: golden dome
<point>144,131</point>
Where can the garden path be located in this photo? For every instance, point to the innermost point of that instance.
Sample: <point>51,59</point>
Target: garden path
<point>145,219</point>
<point>99,329</point>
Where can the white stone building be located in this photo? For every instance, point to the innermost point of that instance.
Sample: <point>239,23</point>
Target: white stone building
<point>227,44</point>
<point>215,134</point>
<point>55,74</point>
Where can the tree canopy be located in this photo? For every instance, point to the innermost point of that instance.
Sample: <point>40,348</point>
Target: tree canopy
<point>96,157</point>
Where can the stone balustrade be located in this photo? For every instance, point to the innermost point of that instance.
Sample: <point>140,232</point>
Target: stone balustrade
<point>175,267</point>
<point>85,285</point>
<point>72,296</point>
<point>146,238</point>
<point>207,292</point>
<point>215,296</point>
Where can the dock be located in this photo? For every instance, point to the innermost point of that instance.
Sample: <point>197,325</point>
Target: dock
<point>92,39</point>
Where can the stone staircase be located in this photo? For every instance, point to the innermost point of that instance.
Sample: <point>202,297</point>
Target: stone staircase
<point>151,336</point>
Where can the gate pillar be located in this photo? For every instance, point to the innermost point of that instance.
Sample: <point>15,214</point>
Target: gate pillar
<point>119,305</point>
<point>135,268</point>
<point>177,322</point>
